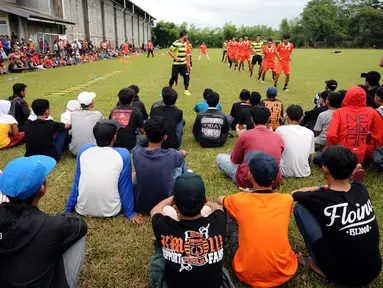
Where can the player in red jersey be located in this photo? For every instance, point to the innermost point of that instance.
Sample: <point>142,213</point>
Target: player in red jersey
<point>245,54</point>
<point>189,52</point>
<point>284,51</point>
<point>203,51</point>
<point>269,53</point>
<point>232,50</point>
<point>238,54</point>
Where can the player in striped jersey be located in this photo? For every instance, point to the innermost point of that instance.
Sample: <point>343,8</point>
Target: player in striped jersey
<point>178,52</point>
<point>257,47</point>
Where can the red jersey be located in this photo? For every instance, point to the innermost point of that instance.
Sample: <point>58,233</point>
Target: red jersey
<point>240,48</point>
<point>203,48</point>
<point>150,45</point>
<point>285,51</point>
<point>246,48</point>
<point>269,53</point>
<point>126,48</point>
<point>232,46</point>
<point>188,47</point>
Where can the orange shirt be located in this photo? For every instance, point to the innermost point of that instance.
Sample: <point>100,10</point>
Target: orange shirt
<point>285,51</point>
<point>264,257</point>
<point>269,53</point>
<point>232,46</point>
<point>126,48</point>
<point>150,45</point>
<point>240,48</point>
<point>246,47</point>
<point>188,47</point>
<point>203,48</point>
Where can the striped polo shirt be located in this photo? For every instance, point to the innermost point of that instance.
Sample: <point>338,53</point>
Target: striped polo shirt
<point>257,47</point>
<point>179,50</point>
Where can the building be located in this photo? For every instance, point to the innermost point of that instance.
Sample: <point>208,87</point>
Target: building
<point>97,20</point>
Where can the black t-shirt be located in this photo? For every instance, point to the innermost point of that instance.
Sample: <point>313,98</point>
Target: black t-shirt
<point>193,250</point>
<point>211,128</point>
<point>141,106</point>
<point>33,244</point>
<point>172,116</point>
<point>348,253</point>
<point>130,119</point>
<point>245,119</point>
<point>236,112</point>
<point>39,135</point>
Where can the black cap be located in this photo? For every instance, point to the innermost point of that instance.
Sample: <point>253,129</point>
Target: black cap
<point>189,194</point>
<point>104,131</point>
<point>263,167</point>
<point>331,84</point>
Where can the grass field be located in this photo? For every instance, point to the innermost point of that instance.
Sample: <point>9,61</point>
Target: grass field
<point>118,251</point>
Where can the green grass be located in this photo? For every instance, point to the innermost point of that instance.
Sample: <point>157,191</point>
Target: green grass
<point>118,251</point>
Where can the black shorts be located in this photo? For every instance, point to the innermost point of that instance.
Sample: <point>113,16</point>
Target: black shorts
<point>257,59</point>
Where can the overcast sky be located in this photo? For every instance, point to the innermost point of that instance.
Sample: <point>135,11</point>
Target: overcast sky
<point>214,13</point>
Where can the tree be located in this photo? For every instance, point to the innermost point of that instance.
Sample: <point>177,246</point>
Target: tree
<point>284,28</point>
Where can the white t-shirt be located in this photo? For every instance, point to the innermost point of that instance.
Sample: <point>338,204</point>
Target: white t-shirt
<point>299,145</point>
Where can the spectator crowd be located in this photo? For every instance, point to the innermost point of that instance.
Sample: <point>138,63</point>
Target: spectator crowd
<point>342,135</point>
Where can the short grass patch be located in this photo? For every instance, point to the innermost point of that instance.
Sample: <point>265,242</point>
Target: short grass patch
<point>118,252</point>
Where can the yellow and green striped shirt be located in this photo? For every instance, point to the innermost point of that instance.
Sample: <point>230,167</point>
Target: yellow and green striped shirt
<point>224,46</point>
<point>257,47</point>
<point>179,50</point>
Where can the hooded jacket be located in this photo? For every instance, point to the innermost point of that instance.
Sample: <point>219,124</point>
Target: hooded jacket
<point>351,124</point>
<point>32,245</point>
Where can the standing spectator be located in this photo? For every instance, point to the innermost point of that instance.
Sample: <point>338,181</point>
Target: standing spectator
<point>299,145</point>
<point>37,250</point>
<point>19,107</point>
<point>211,128</point>
<point>9,132</point>
<point>83,122</point>
<point>261,139</point>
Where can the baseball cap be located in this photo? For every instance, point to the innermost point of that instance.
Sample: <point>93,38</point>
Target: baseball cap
<point>331,84</point>
<point>104,131</point>
<point>23,176</point>
<point>271,92</point>
<point>189,194</point>
<point>86,98</point>
<point>263,167</point>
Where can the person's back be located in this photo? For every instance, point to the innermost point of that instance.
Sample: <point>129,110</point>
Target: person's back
<point>138,103</point>
<point>203,106</point>
<point>299,144</point>
<point>83,122</point>
<point>351,124</point>
<point>237,107</point>
<point>211,128</point>
<point>245,119</point>
<point>19,107</point>
<point>275,107</point>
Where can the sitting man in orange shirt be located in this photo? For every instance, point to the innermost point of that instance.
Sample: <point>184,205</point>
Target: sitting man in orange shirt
<point>284,50</point>
<point>258,227</point>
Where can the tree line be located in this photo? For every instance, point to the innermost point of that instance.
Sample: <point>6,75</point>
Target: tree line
<point>322,23</point>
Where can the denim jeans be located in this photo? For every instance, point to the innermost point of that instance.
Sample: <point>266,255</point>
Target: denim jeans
<point>229,168</point>
<point>60,140</point>
<point>318,160</point>
<point>73,259</point>
<point>309,227</point>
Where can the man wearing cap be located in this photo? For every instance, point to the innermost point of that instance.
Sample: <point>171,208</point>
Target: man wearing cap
<point>275,107</point>
<point>103,179</point>
<point>36,250</point>
<point>189,252</point>
<point>258,227</point>
<point>261,139</point>
<point>83,122</point>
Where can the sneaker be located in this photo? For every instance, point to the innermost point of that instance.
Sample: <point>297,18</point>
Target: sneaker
<point>263,82</point>
<point>187,93</point>
<point>189,170</point>
<point>285,89</point>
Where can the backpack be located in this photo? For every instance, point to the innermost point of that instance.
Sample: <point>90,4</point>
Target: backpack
<point>377,155</point>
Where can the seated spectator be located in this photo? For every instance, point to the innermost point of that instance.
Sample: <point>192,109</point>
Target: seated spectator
<point>311,117</point>
<point>130,119</point>
<point>351,124</point>
<point>19,108</point>
<point>138,103</point>
<point>372,84</point>
<point>338,223</point>
<point>330,85</point>
<point>257,218</point>
<point>275,107</point>
<point>43,136</point>
<point>261,139</point>
<point>3,68</point>
<point>173,118</point>
<point>37,250</point>
<point>72,106</point>
<point>299,144</point>
<point>324,118</point>
<point>161,166</point>
<point>245,122</point>
<point>203,106</point>
<point>376,140</point>
<point>9,133</point>
<point>211,128</point>
<point>103,179</point>
<point>237,107</point>
<point>201,239</point>
<point>83,122</point>
<point>16,66</point>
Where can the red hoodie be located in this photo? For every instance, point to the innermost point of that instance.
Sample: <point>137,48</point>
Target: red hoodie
<point>351,124</point>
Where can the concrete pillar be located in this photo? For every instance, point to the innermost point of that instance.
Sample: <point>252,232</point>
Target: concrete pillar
<point>115,24</point>
<point>138,30</point>
<point>103,20</point>
<point>20,28</point>
<point>131,20</point>
<point>125,28</point>
<point>86,19</point>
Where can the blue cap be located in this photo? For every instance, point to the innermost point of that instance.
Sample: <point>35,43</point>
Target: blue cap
<point>271,92</point>
<point>263,167</point>
<point>23,176</point>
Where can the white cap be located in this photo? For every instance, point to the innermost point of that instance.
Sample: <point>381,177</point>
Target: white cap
<point>72,106</point>
<point>86,98</point>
